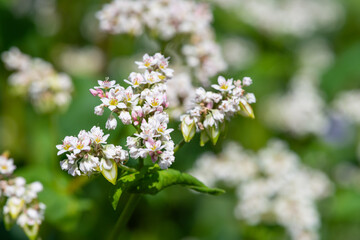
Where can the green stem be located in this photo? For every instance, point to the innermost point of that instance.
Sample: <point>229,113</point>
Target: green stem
<point>125,216</point>
<point>129,206</point>
<point>179,145</point>
<point>141,164</point>
<point>126,168</point>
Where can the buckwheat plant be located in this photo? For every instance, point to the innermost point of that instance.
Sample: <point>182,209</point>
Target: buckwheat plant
<point>19,200</point>
<point>144,168</point>
<point>38,81</point>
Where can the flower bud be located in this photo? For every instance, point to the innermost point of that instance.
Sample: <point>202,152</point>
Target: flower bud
<point>111,123</point>
<point>246,109</point>
<point>246,81</point>
<point>99,110</point>
<point>214,133</point>
<point>188,128</point>
<point>209,121</point>
<point>93,92</point>
<point>125,117</point>
<point>31,231</point>
<point>204,138</point>
<point>109,170</point>
<point>14,206</point>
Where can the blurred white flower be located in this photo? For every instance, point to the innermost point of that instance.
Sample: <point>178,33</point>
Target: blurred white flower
<point>6,165</point>
<point>36,79</point>
<point>303,17</point>
<point>347,104</point>
<point>21,204</point>
<point>165,20</point>
<point>272,185</point>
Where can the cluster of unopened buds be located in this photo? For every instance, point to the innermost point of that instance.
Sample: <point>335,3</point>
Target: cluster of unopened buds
<point>142,105</point>
<point>20,199</point>
<point>168,20</point>
<point>210,110</point>
<point>37,80</point>
<point>89,153</point>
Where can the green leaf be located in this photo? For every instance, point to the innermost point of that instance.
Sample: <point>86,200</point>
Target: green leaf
<point>152,180</point>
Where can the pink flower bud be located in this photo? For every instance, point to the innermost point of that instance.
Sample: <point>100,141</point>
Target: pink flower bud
<point>210,105</point>
<point>93,92</point>
<point>134,115</point>
<point>100,93</point>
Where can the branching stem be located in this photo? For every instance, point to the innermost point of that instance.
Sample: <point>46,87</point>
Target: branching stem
<point>125,215</point>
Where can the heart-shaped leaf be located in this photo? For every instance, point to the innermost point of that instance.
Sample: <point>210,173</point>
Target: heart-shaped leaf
<point>152,180</point>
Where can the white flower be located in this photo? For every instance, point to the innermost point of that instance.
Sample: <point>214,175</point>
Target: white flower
<point>6,165</point>
<point>152,77</point>
<point>31,191</point>
<point>13,206</point>
<point>38,81</point>
<point>106,84</point>
<point>131,142</point>
<point>88,164</point>
<point>135,79</point>
<point>152,145</point>
<point>147,61</point>
<point>269,183</point>
<point>113,100</point>
<point>99,110</point>
<point>166,159</point>
<point>250,98</point>
<point>130,97</point>
<point>125,117</point>
<point>224,85</point>
<point>209,121</point>
<point>217,115</point>
<point>32,216</point>
<point>81,144</point>
<point>97,135</point>
<point>246,81</point>
<point>155,100</point>
<point>111,123</point>
<point>17,188</point>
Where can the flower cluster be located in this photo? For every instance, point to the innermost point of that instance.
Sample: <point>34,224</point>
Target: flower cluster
<point>303,17</point>
<point>142,105</point>
<point>346,103</point>
<point>21,203</point>
<point>89,153</point>
<point>167,20</point>
<point>272,185</point>
<point>209,110</point>
<point>36,79</point>
<point>302,110</point>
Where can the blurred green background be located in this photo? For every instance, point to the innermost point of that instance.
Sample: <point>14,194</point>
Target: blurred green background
<point>79,208</point>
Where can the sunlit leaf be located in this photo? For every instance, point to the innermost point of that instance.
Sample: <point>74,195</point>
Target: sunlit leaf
<point>152,180</point>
